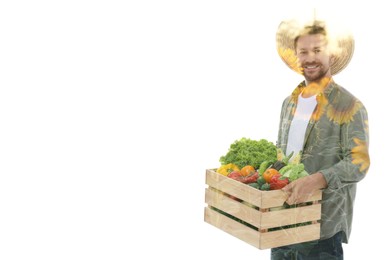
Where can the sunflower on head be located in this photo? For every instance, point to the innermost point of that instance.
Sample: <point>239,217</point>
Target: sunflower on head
<point>291,60</point>
<point>341,45</point>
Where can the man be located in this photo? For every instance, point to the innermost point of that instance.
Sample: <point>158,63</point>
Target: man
<point>329,127</point>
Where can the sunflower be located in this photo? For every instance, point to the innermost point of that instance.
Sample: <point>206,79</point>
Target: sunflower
<point>297,91</point>
<point>360,154</point>
<point>294,97</point>
<point>344,113</point>
<point>289,57</point>
<point>322,102</point>
<point>366,125</point>
<point>317,89</point>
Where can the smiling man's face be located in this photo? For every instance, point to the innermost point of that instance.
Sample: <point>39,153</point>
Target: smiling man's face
<point>312,52</point>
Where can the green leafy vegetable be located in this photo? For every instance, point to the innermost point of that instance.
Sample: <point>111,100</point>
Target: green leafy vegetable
<point>249,152</point>
<point>303,174</point>
<point>293,171</point>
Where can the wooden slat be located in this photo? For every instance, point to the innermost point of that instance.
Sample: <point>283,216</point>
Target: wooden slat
<point>273,198</point>
<point>261,199</point>
<point>262,220</point>
<point>276,198</point>
<point>290,216</point>
<point>289,236</point>
<point>262,240</point>
<point>232,227</point>
<point>233,187</point>
<point>232,207</point>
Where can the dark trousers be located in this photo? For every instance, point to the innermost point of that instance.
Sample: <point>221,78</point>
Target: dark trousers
<point>327,249</point>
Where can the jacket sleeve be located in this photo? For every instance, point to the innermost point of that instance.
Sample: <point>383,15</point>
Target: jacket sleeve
<point>354,141</point>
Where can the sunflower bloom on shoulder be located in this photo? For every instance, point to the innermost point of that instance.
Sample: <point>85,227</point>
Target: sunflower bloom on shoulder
<point>345,115</point>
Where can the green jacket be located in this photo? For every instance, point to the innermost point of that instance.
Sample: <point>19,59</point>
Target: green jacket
<point>336,144</point>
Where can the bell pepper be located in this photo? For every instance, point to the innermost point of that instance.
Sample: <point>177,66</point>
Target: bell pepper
<point>278,181</point>
<point>251,178</point>
<point>227,168</point>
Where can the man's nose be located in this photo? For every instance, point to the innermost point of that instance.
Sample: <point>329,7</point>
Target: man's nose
<point>311,56</point>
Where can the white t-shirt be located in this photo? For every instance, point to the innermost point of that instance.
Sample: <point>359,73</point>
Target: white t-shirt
<point>296,134</point>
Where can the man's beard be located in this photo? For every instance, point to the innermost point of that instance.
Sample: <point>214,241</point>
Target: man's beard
<point>318,75</point>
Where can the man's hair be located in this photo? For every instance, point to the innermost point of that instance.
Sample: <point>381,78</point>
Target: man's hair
<point>317,27</point>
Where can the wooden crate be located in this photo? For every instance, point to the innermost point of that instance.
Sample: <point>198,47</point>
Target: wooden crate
<point>258,217</point>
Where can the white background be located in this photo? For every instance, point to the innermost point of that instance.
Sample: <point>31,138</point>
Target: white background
<point>110,112</point>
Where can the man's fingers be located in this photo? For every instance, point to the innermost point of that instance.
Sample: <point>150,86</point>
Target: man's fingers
<point>295,199</point>
<point>291,200</point>
<point>290,196</point>
<point>287,193</point>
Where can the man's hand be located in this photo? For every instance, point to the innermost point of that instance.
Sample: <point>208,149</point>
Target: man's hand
<point>300,190</point>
